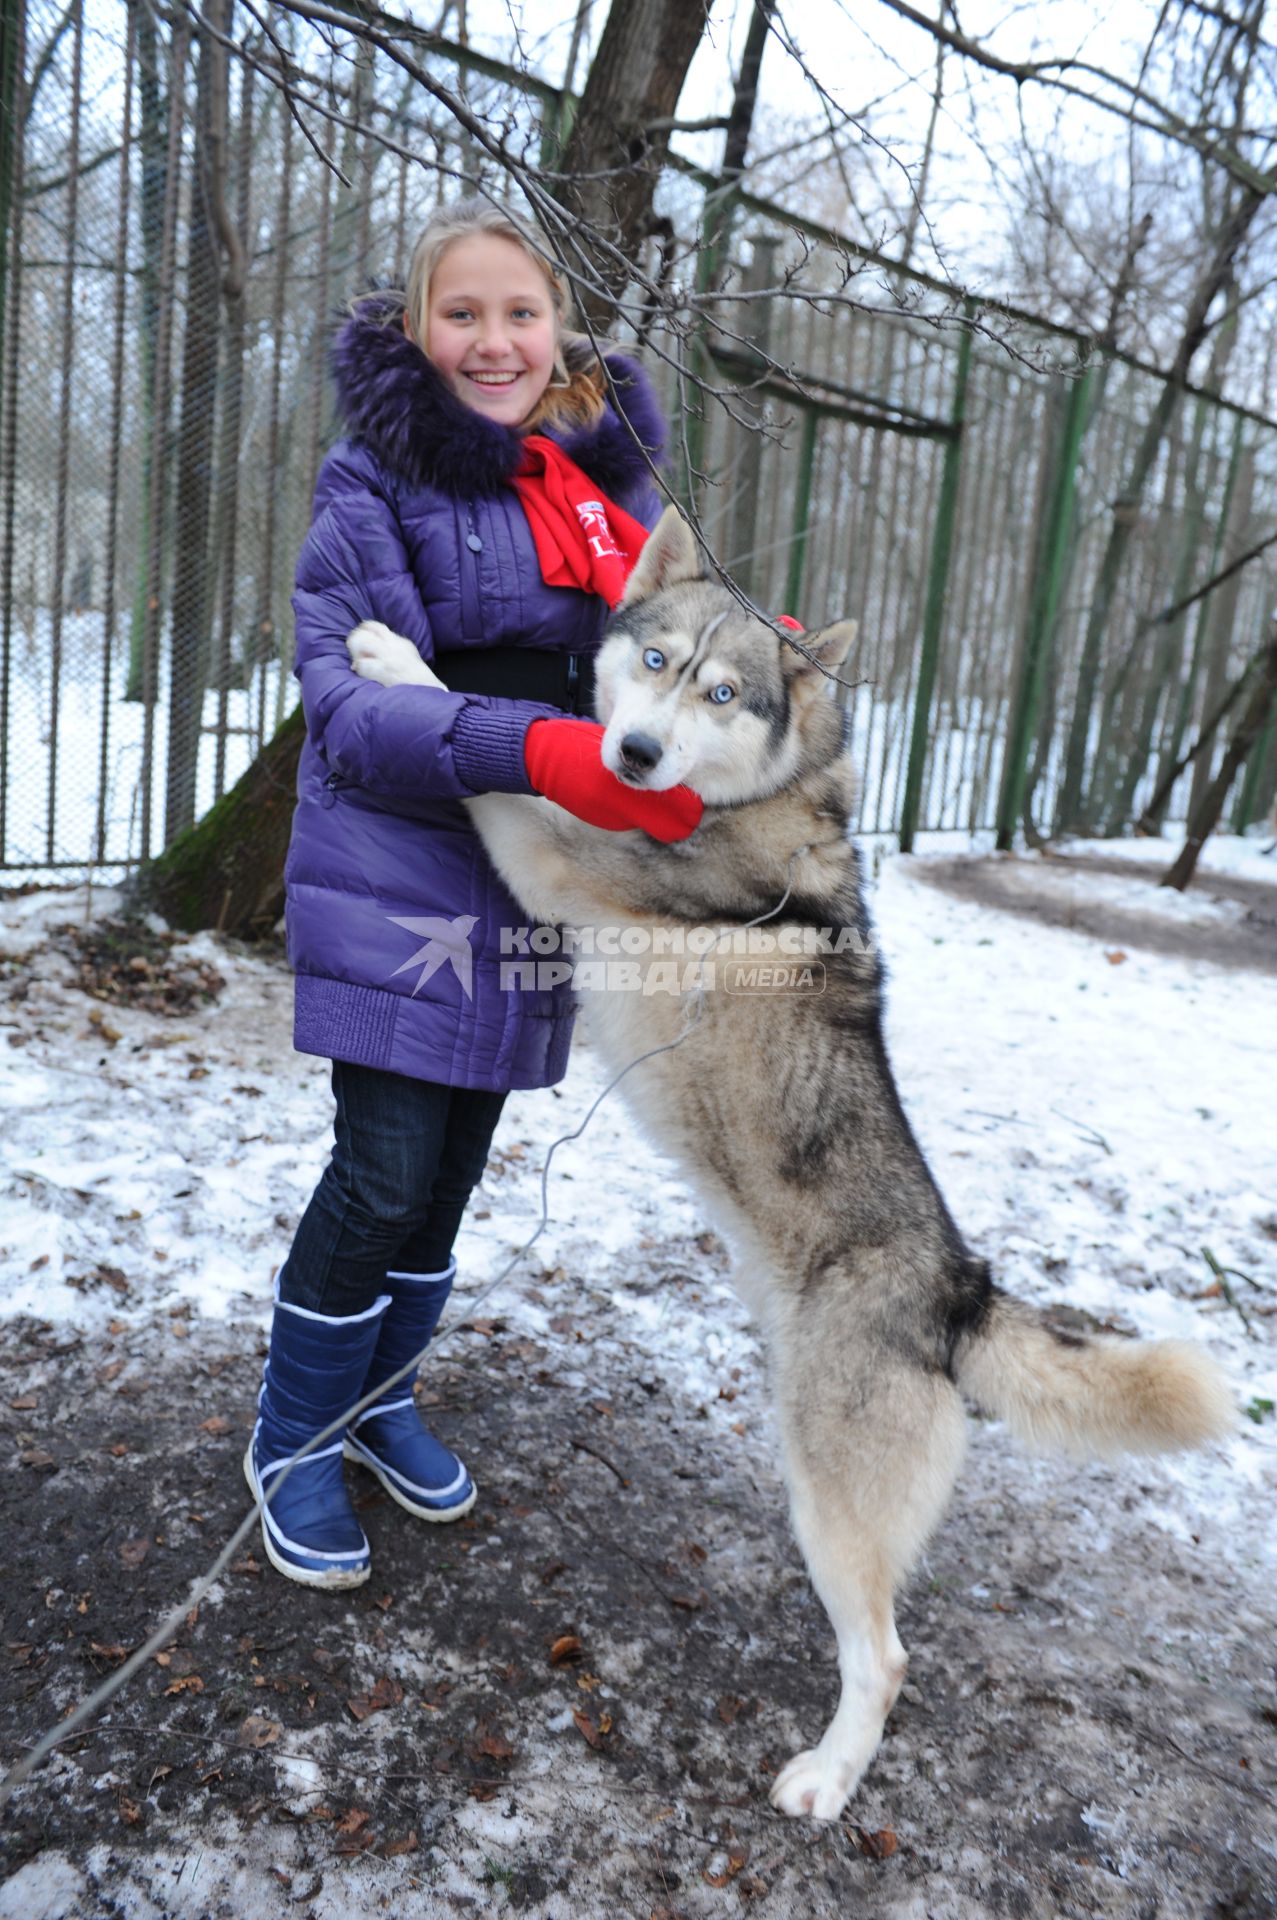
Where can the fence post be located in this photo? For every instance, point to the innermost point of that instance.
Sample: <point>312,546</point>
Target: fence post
<point>1044,605</point>
<point>1245,807</point>
<point>13,106</point>
<point>802,512</point>
<point>937,582</point>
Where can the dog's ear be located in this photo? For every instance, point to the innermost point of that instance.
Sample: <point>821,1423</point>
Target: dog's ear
<point>828,647</point>
<point>670,556</point>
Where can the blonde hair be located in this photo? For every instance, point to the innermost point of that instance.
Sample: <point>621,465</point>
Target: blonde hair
<point>575,395</point>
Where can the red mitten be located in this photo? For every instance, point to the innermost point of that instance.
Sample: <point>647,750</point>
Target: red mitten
<point>564,759</point>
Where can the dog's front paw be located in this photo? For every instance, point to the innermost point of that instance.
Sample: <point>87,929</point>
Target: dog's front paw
<point>388,658</point>
<point>813,1787</point>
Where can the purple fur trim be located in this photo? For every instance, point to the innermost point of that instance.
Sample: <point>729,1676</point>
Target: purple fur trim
<point>398,404</point>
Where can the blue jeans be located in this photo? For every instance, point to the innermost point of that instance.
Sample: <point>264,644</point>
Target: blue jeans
<point>406,1156</point>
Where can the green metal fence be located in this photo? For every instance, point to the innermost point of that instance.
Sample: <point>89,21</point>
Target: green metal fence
<point>944,471</point>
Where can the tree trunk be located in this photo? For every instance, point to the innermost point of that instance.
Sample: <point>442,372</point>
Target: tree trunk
<point>617,145</point>
<point>1074,812</point>
<point>190,641</point>
<point>228,870</point>
<point>152,149</point>
<point>1205,816</point>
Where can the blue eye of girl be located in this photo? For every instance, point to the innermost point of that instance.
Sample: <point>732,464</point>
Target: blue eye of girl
<point>721,694</point>
<point>654,659</point>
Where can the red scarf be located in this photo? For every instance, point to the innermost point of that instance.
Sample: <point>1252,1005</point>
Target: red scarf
<point>583,539</point>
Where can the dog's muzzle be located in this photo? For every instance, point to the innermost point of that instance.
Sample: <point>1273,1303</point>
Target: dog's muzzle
<point>639,753</point>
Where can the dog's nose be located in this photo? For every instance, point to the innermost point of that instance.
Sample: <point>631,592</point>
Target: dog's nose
<point>639,752</point>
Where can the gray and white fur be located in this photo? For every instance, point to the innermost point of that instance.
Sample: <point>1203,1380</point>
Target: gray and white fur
<point>783,1113</point>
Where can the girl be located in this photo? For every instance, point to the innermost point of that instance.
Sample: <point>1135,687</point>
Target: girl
<point>478,507</point>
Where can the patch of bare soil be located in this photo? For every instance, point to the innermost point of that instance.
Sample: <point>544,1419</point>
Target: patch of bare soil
<point>1032,885</point>
<point>128,963</point>
<point>573,1702</point>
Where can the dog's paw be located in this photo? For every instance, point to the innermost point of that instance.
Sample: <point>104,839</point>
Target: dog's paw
<point>376,653</point>
<point>812,1787</point>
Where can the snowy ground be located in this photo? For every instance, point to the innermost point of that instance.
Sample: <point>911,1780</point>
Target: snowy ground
<point>1089,1722</point>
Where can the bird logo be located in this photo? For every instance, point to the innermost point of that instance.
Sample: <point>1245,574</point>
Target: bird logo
<point>447,944</point>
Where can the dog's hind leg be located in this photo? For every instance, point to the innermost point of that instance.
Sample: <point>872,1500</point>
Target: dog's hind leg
<point>869,1475</point>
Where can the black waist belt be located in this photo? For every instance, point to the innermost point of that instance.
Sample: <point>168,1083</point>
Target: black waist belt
<point>521,673</point>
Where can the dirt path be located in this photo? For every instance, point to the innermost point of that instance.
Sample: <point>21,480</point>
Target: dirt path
<point>1039,888</point>
<point>1085,1730</point>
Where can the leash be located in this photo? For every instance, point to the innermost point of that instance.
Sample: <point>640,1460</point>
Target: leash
<point>173,1620</point>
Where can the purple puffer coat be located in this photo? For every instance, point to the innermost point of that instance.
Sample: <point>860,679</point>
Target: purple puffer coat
<point>394,911</point>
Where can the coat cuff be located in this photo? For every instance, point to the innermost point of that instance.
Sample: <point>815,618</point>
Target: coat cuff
<point>487,750</point>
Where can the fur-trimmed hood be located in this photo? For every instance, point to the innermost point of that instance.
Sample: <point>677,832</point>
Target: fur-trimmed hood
<point>395,401</point>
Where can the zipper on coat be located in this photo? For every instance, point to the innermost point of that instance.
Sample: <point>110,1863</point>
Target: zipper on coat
<point>472,547</point>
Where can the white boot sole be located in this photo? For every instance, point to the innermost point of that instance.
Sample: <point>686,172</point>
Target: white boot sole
<point>337,1580</point>
<point>440,1516</point>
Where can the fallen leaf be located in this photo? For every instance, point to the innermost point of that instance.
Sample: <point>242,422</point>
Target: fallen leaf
<point>729,1708</point>
<point>37,1458</point>
<point>567,1647</point>
<point>735,1861</point>
<point>246,1565</point>
<point>880,1845</point>
<point>386,1693</point>
<point>358,1843</point>
<point>114,1653</point>
<point>112,1371</point>
<point>25,1403</point>
<point>385,1602</point>
<point>191,1683</point>
<point>134,1552</point>
<point>587,1730</point>
<point>130,1812</point>
<point>588,1681</point>
<point>352,1821</point>
<point>408,1844</point>
<point>1115,957</point>
<point>119,1450</point>
<point>257,1731</point>
<point>489,1743</point>
<point>216,1423</point>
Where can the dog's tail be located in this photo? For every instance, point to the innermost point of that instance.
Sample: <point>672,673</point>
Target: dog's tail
<point>1085,1394</point>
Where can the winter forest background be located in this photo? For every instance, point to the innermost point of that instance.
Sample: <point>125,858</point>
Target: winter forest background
<point>965,321</point>
<point>968,332</point>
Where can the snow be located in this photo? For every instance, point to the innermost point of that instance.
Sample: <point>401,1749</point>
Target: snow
<point>1094,1126</point>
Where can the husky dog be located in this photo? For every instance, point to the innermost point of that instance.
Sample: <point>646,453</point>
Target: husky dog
<point>782,1110</point>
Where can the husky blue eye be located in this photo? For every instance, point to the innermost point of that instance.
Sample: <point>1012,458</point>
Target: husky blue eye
<point>721,694</point>
<point>654,659</point>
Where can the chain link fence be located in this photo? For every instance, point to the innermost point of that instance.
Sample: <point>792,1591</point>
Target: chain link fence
<point>176,243</point>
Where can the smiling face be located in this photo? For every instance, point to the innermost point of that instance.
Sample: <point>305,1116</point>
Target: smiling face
<point>492,329</point>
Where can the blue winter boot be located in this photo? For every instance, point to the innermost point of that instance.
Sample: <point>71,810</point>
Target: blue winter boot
<point>313,1374</point>
<point>415,1469</point>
